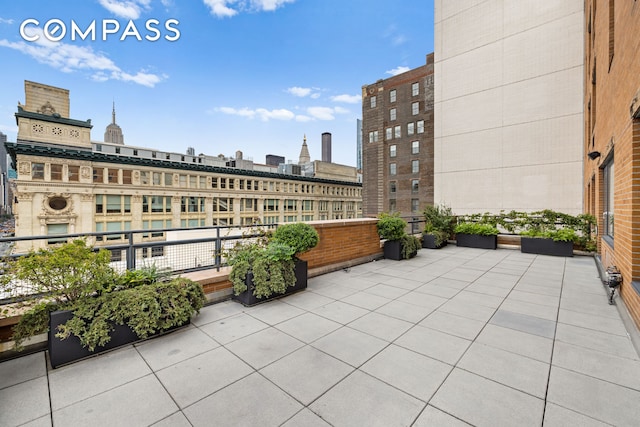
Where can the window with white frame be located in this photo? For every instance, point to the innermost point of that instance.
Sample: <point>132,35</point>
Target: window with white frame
<point>415,147</point>
<point>415,108</point>
<point>389,133</point>
<point>397,131</point>
<point>420,125</point>
<point>392,150</point>
<point>415,89</point>
<point>392,168</point>
<point>373,102</point>
<point>415,185</point>
<point>392,95</point>
<point>609,186</point>
<point>415,166</point>
<point>392,114</point>
<point>411,128</point>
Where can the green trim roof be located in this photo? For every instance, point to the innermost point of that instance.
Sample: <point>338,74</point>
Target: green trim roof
<point>52,119</point>
<point>62,152</point>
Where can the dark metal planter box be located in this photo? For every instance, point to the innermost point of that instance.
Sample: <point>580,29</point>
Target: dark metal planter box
<point>477,241</point>
<point>429,242</point>
<point>247,298</point>
<point>64,351</point>
<point>542,246</point>
<point>393,250</point>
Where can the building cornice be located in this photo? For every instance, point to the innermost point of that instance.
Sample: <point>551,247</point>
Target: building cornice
<point>53,119</point>
<point>31,148</point>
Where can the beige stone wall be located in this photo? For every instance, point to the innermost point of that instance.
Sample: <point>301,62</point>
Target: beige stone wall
<point>508,105</point>
<point>40,98</point>
<point>334,171</point>
<point>52,132</point>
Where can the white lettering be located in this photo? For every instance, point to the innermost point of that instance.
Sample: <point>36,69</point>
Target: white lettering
<point>106,30</point>
<point>171,29</point>
<point>23,26</point>
<point>91,29</point>
<point>53,26</point>
<point>130,30</point>
<point>151,26</point>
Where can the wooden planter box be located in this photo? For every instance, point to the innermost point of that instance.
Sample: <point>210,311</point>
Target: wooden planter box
<point>542,246</point>
<point>477,241</point>
<point>393,250</point>
<point>429,242</point>
<point>64,351</point>
<point>247,298</point>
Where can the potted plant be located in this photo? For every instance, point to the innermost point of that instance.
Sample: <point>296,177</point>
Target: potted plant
<point>268,267</point>
<point>476,235</point>
<point>71,292</point>
<point>551,242</point>
<point>439,224</point>
<point>398,244</point>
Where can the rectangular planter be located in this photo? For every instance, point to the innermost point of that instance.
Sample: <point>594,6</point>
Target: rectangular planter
<point>429,242</point>
<point>393,250</point>
<point>542,246</point>
<point>64,351</point>
<point>477,241</point>
<point>247,298</point>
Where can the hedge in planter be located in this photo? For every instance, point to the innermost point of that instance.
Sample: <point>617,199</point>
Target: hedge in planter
<point>474,235</point>
<point>399,245</point>
<point>439,225</point>
<point>553,242</point>
<point>268,267</point>
<point>74,278</point>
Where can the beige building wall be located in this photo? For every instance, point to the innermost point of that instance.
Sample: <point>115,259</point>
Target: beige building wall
<point>508,105</point>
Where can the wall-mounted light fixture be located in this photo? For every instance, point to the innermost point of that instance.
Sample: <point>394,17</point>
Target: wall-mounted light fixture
<point>594,155</point>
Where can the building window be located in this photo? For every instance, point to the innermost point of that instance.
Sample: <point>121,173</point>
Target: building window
<point>53,229</point>
<point>222,204</point>
<point>112,204</point>
<point>290,205</point>
<point>415,166</point>
<point>271,205</point>
<point>415,147</point>
<point>168,179</point>
<point>397,131</point>
<point>144,177</point>
<point>74,173</point>
<point>126,176</point>
<point>420,126</point>
<point>389,133</point>
<point>307,205</point>
<point>392,187</point>
<point>609,189</point>
<point>156,178</point>
<point>415,185</point>
<point>415,108</point>
<point>203,181</point>
<point>156,204</point>
<point>373,102</point>
<point>112,176</point>
<point>392,151</point>
<point>612,19</point>
<point>392,95</point>
<point>191,204</point>
<point>392,205</point>
<point>392,168</point>
<point>56,172</point>
<point>415,205</point>
<point>249,205</point>
<point>415,89</point>
<point>411,128</point>
<point>392,114</point>
<point>373,136</point>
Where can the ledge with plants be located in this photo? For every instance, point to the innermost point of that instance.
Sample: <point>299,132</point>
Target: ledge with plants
<point>268,266</point>
<point>71,293</point>
<point>476,235</point>
<point>439,225</point>
<point>398,244</point>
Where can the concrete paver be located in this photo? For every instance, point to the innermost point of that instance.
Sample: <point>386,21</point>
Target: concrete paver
<point>452,337</point>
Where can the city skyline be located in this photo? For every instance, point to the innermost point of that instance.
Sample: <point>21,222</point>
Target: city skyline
<point>254,76</point>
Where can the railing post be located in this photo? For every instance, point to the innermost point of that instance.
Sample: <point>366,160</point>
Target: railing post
<point>131,253</point>
<point>218,250</point>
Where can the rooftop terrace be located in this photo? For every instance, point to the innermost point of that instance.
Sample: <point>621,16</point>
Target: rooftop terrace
<point>450,337</point>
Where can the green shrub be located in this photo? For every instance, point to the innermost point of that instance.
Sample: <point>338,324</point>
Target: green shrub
<point>476,228</point>
<point>300,236</point>
<point>391,226</point>
<point>410,245</point>
<point>439,218</point>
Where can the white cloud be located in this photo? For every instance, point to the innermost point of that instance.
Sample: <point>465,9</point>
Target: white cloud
<point>261,113</point>
<point>398,70</point>
<point>348,99</point>
<point>129,9</point>
<point>398,40</point>
<point>229,8</point>
<point>311,92</point>
<point>325,113</point>
<point>69,58</point>
<point>6,21</point>
<point>302,118</point>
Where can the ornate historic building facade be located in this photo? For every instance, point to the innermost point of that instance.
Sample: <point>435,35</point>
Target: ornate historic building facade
<point>67,184</point>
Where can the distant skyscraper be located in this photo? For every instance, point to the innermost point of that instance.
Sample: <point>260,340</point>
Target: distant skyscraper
<point>113,133</point>
<point>304,153</point>
<point>273,160</point>
<point>191,151</point>
<point>326,147</point>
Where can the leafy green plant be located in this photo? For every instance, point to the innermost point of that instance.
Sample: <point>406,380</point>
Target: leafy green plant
<point>476,228</point>
<point>391,226</point>
<point>74,277</point>
<point>561,235</point>
<point>410,245</point>
<point>439,218</point>
<point>300,236</point>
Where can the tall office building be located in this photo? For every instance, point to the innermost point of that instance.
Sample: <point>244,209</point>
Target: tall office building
<point>359,144</point>
<point>508,105</point>
<point>113,133</point>
<point>397,152</point>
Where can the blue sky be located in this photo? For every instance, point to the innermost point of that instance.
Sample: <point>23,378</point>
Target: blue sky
<point>249,75</point>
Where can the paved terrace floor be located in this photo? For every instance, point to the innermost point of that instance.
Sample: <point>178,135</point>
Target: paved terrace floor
<point>455,336</point>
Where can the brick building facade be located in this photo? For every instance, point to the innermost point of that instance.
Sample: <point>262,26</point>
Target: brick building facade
<point>397,148</point>
<point>612,137</point>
